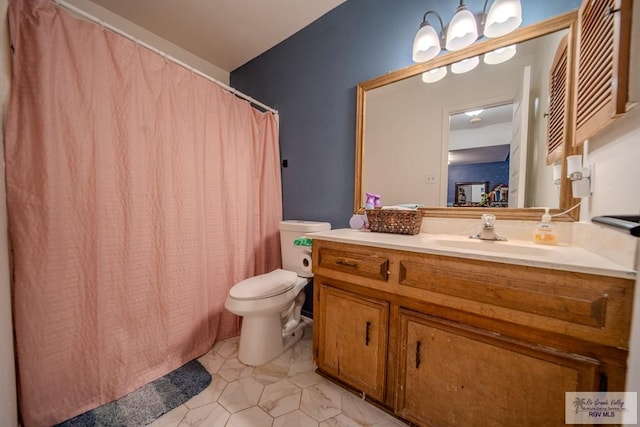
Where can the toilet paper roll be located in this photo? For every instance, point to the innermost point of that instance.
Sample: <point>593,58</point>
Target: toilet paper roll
<point>357,222</point>
<point>305,264</point>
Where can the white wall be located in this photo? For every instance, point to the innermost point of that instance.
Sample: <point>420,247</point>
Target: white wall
<point>539,191</point>
<point>152,39</point>
<point>8,402</point>
<point>404,128</point>
<point>615,152</point>
<point>485,136</point>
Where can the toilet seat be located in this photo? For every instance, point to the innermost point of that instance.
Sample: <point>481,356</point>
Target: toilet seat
<point>265,285</point>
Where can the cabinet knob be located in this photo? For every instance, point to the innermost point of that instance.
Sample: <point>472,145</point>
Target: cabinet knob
<point>418,344</point>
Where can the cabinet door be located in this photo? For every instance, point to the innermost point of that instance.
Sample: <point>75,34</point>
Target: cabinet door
<point>604,40</point>
<point>352,339</point>
<point>451,374</point>
<point>558,107</point>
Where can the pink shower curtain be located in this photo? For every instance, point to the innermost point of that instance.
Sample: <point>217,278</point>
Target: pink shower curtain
<point>138,194</point>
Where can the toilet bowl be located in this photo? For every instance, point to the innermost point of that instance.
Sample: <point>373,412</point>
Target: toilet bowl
<point>271,303</point>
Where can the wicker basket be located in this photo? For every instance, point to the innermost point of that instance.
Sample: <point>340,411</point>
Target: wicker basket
<point>394,221</point>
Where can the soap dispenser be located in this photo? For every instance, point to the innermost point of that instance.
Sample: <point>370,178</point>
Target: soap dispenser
<point>545,232</point>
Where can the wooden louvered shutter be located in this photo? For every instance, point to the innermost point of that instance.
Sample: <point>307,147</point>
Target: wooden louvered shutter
<point>604,29</point>
<point>558,106</point>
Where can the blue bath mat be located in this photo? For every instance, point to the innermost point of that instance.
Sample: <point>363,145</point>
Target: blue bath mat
<point>149,402</point>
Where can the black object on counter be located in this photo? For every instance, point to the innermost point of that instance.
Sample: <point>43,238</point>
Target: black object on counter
<point>626,222</point>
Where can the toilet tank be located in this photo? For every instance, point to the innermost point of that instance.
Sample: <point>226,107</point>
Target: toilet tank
<point>298,258</point>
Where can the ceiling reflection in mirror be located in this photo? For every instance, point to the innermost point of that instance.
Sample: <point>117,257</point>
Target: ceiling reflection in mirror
<point>416,130</point>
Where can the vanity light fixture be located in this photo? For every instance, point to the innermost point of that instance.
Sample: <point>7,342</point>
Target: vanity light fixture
<point>463,29</point>
<point>504,16</point>
<point>434,75</point>
<point>500,55</point>
<point>581,177</point>
<point>465,65</point>
<point>426,44</point>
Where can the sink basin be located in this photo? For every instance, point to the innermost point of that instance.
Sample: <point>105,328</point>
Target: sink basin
<point>501,247</point>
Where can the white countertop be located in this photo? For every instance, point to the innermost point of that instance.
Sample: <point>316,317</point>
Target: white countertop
<point>519,252</point>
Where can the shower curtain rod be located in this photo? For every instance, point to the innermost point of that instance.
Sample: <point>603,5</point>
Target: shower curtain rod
<point>117,30</point>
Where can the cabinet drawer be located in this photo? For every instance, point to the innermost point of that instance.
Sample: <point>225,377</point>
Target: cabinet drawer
<point>358,263</point>
<point>574,298</point>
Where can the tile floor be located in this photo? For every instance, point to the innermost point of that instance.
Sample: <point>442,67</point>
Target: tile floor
<point>282,393</point>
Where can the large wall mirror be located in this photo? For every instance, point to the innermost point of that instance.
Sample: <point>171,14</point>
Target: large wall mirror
<point>421,133</point>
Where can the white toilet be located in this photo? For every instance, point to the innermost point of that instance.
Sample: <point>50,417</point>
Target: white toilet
<point>271,303</point>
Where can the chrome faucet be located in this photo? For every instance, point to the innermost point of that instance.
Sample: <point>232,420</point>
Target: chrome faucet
<point>487,232</point>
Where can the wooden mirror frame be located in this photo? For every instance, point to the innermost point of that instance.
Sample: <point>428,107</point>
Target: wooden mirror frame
<point>560,22</point>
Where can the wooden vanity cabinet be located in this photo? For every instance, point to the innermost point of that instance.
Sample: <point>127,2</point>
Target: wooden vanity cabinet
<point>442,340</point>
<point>453,374</point>
<point>353,339</point>
<point>351,345</point>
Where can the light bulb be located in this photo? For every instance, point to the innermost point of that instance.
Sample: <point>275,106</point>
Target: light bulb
<point>426,44</point>
<point>434,75</point>
<point>503,17</point>
<point>462,31</point>
<point>474,112</point>
<point>500,55</point>
<point>465,65</point>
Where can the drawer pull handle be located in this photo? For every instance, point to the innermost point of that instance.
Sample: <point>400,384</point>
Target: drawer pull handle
<point>366,333</point>
<point>418,344</point>
<point>346,263</point>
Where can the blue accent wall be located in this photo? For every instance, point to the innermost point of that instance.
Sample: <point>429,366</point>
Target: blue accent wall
<point>310,78</point>
<point>494,172</point>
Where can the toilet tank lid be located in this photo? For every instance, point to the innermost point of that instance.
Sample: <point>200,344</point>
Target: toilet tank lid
<point>304,226</point>
<point>264,285</point>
